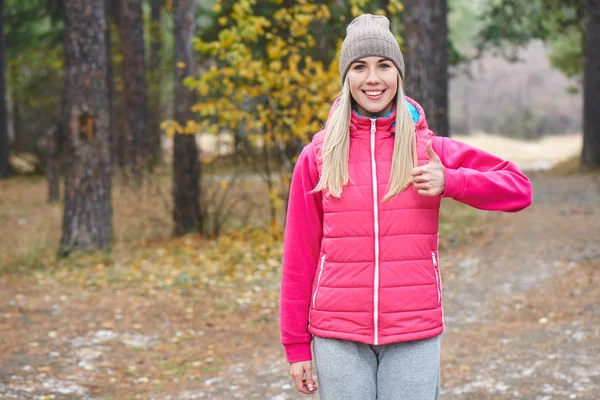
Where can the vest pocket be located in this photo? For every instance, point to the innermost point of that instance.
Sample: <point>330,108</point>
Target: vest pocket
<point>322,265</point>
<point>438,278</point>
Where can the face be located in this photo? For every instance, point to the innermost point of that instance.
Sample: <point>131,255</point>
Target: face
<point>373,85</point>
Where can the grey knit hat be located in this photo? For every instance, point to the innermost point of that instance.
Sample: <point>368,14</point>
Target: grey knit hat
<point>369,35</point>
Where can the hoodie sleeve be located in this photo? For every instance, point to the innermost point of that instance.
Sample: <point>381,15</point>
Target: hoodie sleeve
<point>480,179</point>
<point>302,242</point>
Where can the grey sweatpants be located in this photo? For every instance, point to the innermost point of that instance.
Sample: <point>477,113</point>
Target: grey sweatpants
<point>356,371</point>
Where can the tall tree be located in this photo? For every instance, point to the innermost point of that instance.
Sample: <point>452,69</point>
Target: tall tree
<point>426,36</point>
<point>440,67</point>
<point>186,166</point>
<point>109,9</point>
<point>135,89</point>
<point>590,156</point>
<point>155,73</point>
<point>509,24</point>
<point>4,139</point>
<point>87,222</point>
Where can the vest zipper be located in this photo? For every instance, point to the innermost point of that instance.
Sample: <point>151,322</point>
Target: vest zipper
<point>437,278</point>
<point>319,280</point>
<point>376,232</point>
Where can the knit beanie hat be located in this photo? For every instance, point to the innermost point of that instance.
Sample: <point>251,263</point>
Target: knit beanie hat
<point>369,35</point>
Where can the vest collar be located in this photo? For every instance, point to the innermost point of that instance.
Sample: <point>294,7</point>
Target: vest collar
<point>361,125</point>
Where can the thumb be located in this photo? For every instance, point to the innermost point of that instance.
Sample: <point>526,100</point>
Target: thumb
<point>431,153</point>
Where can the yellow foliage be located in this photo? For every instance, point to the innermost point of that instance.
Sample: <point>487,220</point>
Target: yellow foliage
<point>171,127</point>
<point>263,78</point>
<point>275,66</point>
<point>395,6</point>
<point>283,76</point>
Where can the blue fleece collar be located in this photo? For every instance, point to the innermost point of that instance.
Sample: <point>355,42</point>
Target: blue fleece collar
<point>414,113</point>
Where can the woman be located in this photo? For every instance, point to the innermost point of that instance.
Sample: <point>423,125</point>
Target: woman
<point>361,277</point>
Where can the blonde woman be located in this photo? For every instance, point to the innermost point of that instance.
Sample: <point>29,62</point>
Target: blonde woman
<point>361,274</point>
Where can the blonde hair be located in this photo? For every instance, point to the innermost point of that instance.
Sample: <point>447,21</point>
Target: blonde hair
<point>336,147</point>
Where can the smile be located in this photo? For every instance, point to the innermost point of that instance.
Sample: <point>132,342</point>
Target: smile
<point>373,93</point>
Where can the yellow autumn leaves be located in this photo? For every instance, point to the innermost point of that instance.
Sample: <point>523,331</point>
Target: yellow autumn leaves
<point>263,79</point>
<point>261,75</point>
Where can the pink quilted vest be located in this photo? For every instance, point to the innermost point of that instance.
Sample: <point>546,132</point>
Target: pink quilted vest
<point>378,279</point>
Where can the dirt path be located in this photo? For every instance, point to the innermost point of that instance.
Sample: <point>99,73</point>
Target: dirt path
<point>522,301</point>
<point>521,305</point>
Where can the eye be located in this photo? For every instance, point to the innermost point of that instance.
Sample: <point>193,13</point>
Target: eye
<point>385,65</point>
<point>358,67</point>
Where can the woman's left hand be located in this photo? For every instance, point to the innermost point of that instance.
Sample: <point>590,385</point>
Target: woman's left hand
<point>429,179</point>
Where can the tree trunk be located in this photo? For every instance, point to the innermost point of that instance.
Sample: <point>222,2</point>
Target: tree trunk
<point>4,138</point>
<point>117,111</point>
<point>439,35</point>
<point>155,73</point>
<point>135,89</point>
<point>186,166</point>
<point>53,163</point>
<point>87,222</point>
<point>110,83</point>
<point>590,156</point>
<point>426,35</point>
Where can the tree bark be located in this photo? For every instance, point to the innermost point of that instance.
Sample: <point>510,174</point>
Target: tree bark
<point>4,138</point>
<point>426,35</point>
<point>186,166</point>
<point>87,222</point>
<point>110,83</point>
<point>135,89</point>
<point>590,156</point>
<point>440,66</point>
<point>155,73</point>
<point>53,163</point>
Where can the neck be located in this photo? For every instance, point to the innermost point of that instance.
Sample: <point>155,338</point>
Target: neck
<point>369,114</point>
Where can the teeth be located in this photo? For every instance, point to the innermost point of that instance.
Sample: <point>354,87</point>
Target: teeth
<point>374,93</point>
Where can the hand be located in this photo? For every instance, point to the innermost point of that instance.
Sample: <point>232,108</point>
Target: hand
<point>301,373</point>
<point>429,179</point>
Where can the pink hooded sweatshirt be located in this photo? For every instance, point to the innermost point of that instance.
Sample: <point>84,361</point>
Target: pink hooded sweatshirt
<point>358,268</point>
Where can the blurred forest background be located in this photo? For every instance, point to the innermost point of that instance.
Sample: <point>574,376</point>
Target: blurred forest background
<point>146,150</point>
<point>251,81</point>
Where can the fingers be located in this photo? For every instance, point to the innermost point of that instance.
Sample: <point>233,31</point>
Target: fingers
<point>418,171</point>
<point>422,186</point>
<point>426,192</point>
<point>310,383</point>
<point>298,381</point>
<point>420,179</point>
<point>302,376</point>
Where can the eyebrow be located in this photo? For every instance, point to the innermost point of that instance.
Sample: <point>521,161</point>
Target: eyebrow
<point>364,62</point>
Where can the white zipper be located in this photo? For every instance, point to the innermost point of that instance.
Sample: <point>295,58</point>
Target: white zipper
<point>319,280</point>
<point>376,231</point>
<point>437,277</point>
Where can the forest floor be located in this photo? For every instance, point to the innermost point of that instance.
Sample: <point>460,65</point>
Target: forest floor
<point>187,319</point>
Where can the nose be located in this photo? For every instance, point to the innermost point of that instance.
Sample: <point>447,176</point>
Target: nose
<point>373,77</point>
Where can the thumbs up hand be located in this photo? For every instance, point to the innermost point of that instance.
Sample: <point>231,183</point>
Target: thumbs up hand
<point>429,179</point>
